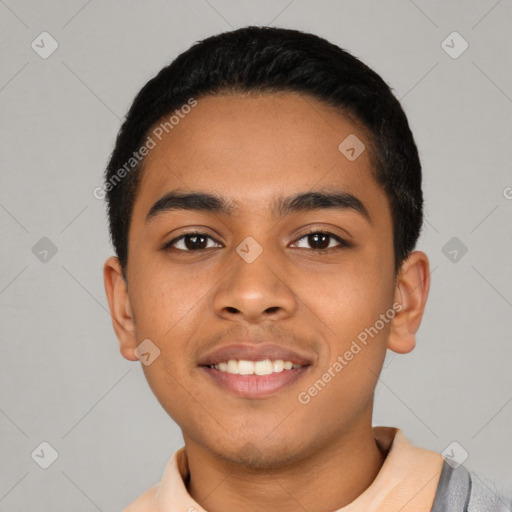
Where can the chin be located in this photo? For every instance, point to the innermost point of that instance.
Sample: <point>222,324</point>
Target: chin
<point>258,453</point>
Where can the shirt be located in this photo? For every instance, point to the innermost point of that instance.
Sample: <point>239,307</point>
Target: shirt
<point>407,481</point>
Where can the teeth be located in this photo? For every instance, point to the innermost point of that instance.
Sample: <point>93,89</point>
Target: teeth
<point>264,367</point>
<point>245,367</point>
<point>232,367</point>
<point>278,366</point>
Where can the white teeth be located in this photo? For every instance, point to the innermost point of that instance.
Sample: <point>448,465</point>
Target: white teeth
<point>245,367</point>
<point>278,366</point>
<point>232,367</point>
<point>264,367</point>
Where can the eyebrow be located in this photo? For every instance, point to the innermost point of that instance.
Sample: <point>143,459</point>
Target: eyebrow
<point>305,201</point>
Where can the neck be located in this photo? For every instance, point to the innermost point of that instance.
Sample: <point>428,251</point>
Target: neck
<point>323,481</point>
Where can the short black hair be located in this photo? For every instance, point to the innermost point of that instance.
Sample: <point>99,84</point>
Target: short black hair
<point>271,60</point>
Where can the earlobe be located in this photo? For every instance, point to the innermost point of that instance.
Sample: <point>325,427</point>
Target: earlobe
<point>411,292</point>
<point>120,308</point>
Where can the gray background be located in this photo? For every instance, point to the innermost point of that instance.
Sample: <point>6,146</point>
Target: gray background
<point>62,377</point>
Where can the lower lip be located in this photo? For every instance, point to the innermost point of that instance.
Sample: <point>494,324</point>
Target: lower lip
<point>255,386</point>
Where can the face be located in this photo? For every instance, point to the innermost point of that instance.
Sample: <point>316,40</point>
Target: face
<point>280,279</point>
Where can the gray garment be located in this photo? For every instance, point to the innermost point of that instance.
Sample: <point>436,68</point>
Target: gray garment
<point>460,491</point>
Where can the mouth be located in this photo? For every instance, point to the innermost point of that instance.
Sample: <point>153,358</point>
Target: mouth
<point>263,367</point>
<point>255,370</point>
<point>255,379</point>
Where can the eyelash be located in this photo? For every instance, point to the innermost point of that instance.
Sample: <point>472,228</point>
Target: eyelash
<point>342,242</point>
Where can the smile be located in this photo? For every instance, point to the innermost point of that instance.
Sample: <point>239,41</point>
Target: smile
<point>263,367</point>
<point>254,379</point>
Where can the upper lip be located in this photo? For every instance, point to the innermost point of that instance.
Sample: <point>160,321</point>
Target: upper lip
<point>252,352</point>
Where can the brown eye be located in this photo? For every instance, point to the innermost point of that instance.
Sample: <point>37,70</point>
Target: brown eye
<point>323,241</point>
<point>189,242</point>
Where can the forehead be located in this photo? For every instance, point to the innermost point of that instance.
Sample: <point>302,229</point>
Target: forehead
<point>251,148</point>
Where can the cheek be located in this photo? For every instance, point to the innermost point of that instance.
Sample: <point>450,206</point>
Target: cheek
<point>166,300</point>
<point>344,384</point>
<point>338,396</point>
<point>171,387</point>
<point>348,305</point>
<point>168,308</point>
<point>349,297</point>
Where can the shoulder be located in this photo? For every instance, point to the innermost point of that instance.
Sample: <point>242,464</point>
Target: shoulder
<point>461,490</point>
<point>485,496</point>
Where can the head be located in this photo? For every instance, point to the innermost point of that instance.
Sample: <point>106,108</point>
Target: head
<point>259,140</point>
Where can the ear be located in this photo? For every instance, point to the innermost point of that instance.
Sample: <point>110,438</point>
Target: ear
<point>411,292</point>
<point>120,309</point>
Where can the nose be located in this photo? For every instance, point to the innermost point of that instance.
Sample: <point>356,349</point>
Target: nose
<point>255,291</point>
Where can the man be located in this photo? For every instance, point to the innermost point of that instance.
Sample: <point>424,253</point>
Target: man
<point>265,199</point>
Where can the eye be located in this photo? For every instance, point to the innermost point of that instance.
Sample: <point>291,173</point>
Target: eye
<point>321,241</point>
<point>191,241</point>
<point>194,241</point>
